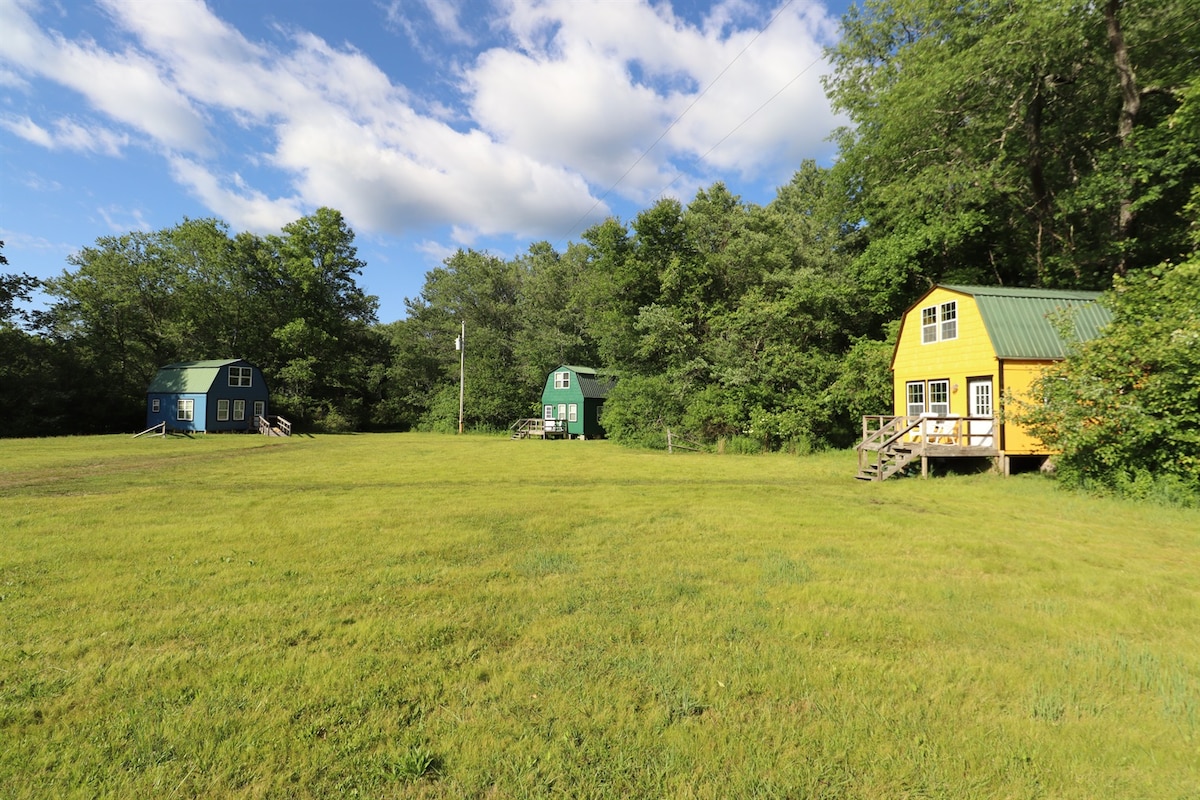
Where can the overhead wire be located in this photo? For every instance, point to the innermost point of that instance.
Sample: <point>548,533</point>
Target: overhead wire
<point>684,113</point>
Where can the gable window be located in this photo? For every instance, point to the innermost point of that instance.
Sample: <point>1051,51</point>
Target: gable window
<point>939,323</point>
<point>949,320</point>
<point>239,409</point>
<point>562,380</point>
<point>915,390</point>
<point>939,398</point>
<point>222,410</point>
<point>240,376</point>
<point>185,410</point>
<point>929,328</point>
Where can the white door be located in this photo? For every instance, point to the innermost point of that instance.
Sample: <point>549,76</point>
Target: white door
<point>979,394</point>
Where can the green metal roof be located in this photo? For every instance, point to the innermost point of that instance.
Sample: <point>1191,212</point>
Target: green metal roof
<point>189,377</point>
<point>589,384</point>
<point>1021,322</point>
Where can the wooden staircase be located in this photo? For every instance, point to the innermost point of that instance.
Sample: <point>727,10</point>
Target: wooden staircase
<point>885,449</point>
<point>273,426</point>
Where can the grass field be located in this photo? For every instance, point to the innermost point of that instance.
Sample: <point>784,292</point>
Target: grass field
<point>443,617</point>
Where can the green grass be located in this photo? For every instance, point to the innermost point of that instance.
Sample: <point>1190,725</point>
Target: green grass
<point>444,617</point>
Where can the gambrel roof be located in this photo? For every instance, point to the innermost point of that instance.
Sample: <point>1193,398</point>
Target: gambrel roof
<point>589,384</point>
<point>1021,323</point>
<point>189,377</point>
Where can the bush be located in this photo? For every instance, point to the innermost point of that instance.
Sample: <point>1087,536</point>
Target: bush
<point>1124,409</point>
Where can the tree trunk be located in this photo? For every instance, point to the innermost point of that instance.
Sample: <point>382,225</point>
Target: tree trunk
<point>1131,103</point>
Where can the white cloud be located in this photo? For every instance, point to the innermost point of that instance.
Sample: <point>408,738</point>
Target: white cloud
<point>122,220</point>
<point>551,123</point>
<point>68,135</point>
<point>29,130</point>
<point>251,209</point>
<point>590,87</point>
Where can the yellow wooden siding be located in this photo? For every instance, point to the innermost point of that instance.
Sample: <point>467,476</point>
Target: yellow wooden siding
<point>970,355</point>
<point>1018,381</point>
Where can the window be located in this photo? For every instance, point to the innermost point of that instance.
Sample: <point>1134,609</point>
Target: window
<point>928,325</point>
<point>939,323</point>
<point>240,376</point>
<point>572,413</point>
<point>950,320</point>
<point>916,398</point>
<point>155,405</point>
<point>981,399</point>
<point>222,410</point>
<point>562,380</point>
<point>185,410</point>
<point>548,412</point>
<point>562,411</point>
<point>939,398</point>
<point>239,409</point>
<point>260,408</point>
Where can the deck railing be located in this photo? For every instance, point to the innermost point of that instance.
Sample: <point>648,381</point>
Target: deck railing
<point>272,426</point>
<point>890,443</point>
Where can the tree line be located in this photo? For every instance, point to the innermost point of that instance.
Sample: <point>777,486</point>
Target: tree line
<point>1024,142</point>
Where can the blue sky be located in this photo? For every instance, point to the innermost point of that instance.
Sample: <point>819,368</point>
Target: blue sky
<point>430,124</point>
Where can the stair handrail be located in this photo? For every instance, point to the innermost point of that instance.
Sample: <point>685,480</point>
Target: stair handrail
<point>891,429</point>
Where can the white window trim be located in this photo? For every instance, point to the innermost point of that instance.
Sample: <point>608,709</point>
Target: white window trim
<point>939,322</point>
<point>572,413</point>
<point>562,380</point>
<point>222,410</point>
<point>548,412</point>
<point>239,410</point>
<point>155,406</point>
<point>914,409</point>
<point>936,408</point>
<point>260,408</point>
<point>185,410</point>
<point>241,377</point>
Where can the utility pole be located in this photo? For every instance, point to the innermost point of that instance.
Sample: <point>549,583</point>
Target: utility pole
<point>460,344</point>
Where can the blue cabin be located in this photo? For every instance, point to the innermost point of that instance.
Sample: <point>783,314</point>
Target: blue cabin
<point>207,396</point>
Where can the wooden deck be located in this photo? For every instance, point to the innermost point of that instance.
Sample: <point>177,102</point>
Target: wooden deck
<point>890,444</point>
<point>539,429</point>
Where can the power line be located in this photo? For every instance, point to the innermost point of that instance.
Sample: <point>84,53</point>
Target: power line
<point>738,127</point>
<point>684,113</point>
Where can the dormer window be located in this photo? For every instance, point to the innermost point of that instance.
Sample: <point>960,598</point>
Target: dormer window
<point>562,380</point>
<point>939,323</point>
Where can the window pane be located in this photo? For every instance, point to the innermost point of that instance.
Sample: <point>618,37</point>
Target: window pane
<point>572,413</point>
<point>222,410</point>
<point>239,409</point>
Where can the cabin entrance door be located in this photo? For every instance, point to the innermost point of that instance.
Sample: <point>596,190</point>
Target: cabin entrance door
<point>979,395</point>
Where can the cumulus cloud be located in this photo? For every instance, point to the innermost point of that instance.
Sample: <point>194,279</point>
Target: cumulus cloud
<point>576,98</point>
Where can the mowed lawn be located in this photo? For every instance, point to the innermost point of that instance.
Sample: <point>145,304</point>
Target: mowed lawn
<point>434,616</point>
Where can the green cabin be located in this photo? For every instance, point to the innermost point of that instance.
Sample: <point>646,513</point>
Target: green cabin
<point>572,400</point>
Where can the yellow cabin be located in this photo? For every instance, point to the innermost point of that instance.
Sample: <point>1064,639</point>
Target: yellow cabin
<point>961,351</point>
